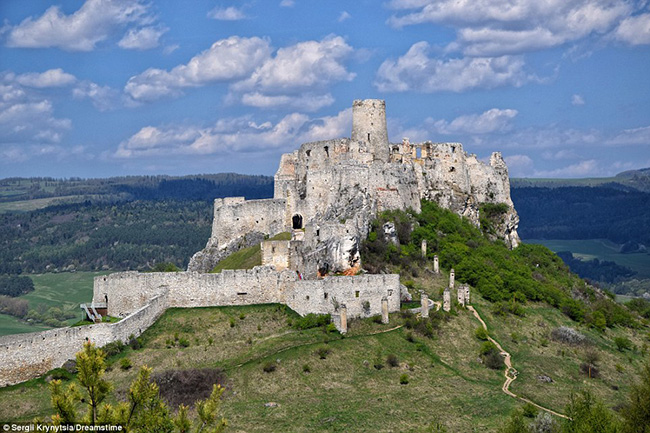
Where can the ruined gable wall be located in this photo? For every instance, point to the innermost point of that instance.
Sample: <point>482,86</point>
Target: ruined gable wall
<point>234,217</point>
<point>321,296</point>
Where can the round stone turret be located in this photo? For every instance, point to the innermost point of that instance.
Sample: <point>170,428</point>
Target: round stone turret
<point>369,125</point>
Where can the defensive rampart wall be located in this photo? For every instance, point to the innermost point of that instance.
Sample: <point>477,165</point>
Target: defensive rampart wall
<point>140,298</point>
<point>25,356</point>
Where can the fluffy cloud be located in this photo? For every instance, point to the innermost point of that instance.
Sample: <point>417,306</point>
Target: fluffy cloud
<point>293,77</point>
<point>498,27</point>
<point>417,71</point>
<point>50,78</point>
<point>239,134</point>
<point>493,120</point>
<point>95,21</point>
<point>103,98</point>
<point>144,38</point>
<point>226,60</point>
<point>28,118</point>
<point>230,13</point>
<point>304,65</point>
<point>634,30</point>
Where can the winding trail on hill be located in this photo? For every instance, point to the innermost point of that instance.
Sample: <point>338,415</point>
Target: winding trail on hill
<point>510,373</point>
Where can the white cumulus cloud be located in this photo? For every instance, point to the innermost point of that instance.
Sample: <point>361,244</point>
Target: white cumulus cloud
<point>144,38</point>
<point>304,65</point>
<point>492,120</point>
<point>95,21</point>
<point>50,78</point>
<point>240,134</point>
<point>498,27</point>
<point>227,59</point>
<point>634,30</point>
<point>417,71</point>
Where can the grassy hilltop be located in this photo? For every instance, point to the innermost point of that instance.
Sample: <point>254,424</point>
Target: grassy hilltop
<point>281,375</point>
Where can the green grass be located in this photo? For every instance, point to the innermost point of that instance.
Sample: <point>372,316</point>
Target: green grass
<point>601,249</point>
<point>65,290</point>
<point>344,392</point>
<point>247,258</point>
<point>38,203</point>
<point>11,325</point>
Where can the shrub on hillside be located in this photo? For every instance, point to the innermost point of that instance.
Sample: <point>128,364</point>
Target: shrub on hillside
<point>312,321</point>
<point>187,386</point>
<point>481,333</point>
<point>14,285</point>
<point>567,335</point>
<point>392,360</point>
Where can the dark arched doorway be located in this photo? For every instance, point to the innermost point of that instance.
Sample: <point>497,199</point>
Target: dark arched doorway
<point>296,221</point>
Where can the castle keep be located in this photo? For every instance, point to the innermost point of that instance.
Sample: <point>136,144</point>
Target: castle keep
<point>326,195</point>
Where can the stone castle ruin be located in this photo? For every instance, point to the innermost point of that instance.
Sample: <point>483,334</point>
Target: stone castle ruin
<point>326,195</point>
<point>328,192</point>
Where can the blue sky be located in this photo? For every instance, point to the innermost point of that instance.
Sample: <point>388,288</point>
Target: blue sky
<point>100,88</point>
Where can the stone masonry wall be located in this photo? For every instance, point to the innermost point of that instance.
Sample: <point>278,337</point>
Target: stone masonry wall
<point>142,297</point>
<point>325,296</point>
<point>25,356</point>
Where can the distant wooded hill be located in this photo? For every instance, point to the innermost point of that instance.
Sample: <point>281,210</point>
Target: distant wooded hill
<point>117,223</point>
<point>198,187</point>
<point>616,208</point>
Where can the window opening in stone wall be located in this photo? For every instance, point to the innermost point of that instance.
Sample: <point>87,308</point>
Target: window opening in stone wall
<point>368,136</point>
<point>453,149</point>
<point>296,221</point>
<point>325,295</point>
<point>327,151</point>
<point>317,232</point>
<point>418,152</point>
<point>452,169</point>
<point>356,294</point>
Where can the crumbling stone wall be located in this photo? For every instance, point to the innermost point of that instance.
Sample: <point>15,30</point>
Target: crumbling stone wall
<point>239,223</point>
<point>25,356</point>
<point>361,294</point>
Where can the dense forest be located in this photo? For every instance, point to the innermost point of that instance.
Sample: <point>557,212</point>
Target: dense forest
<point>620,215</point>
<point>117,223</point>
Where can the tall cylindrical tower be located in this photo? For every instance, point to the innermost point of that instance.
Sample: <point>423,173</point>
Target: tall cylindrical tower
<point>369,125</point>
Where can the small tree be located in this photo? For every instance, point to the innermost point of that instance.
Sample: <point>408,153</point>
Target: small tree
<point>91,366</point>
<point>636,413</point>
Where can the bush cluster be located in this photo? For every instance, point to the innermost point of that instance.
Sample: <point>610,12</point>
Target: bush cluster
<point>312,321</point>
<point>568,335</point>
<point>187,386</point>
